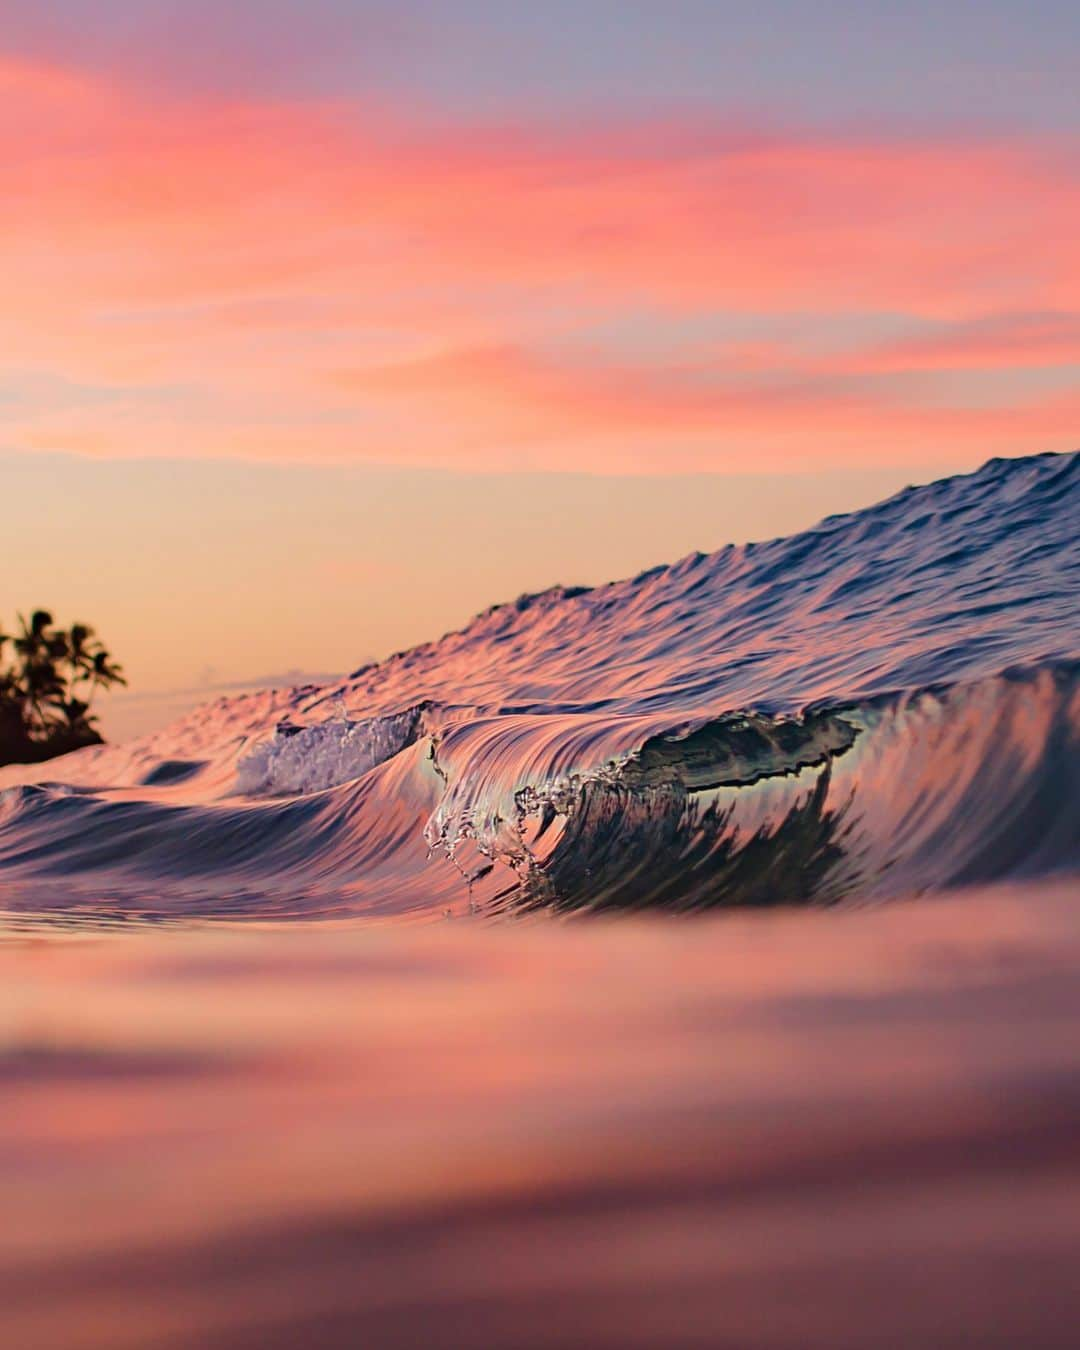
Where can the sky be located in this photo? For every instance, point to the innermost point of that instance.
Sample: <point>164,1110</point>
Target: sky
<point>324,325</point>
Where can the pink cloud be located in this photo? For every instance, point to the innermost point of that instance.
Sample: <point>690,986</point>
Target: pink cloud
<point>998,342</point>
<point>343,282</point>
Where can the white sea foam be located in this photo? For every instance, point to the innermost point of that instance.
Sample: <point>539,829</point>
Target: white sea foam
<point>324,755</point>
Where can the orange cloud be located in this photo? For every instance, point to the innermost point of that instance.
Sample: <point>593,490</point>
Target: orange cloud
<point>543,411</point>
<point>208,269</point>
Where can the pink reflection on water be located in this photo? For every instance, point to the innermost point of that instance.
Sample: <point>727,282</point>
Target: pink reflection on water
<point>811,1130</point>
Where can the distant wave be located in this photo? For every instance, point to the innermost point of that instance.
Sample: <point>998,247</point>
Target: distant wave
<point>885,704</point>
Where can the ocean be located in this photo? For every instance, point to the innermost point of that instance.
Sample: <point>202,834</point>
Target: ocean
<point>688,961</point>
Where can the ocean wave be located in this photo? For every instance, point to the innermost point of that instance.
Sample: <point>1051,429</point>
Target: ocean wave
<point>882,705</point>
<point>927,789</point>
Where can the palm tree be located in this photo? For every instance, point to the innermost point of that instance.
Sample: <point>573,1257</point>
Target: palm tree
<point>43,710</point>
<point>40,647</point>
<point>11,713</point>
<point>86,661</point>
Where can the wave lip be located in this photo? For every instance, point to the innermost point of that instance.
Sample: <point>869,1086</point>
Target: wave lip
<point>928,789</point>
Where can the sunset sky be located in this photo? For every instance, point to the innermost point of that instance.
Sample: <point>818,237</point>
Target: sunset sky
<point>325,324</point>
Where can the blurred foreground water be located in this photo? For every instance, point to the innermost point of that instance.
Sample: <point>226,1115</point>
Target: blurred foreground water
<point>827,1129</point>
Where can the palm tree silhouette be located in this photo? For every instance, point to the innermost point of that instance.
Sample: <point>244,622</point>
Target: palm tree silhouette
<point>46,694</point>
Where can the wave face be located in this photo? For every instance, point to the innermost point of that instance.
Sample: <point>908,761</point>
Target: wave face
<point>885,704</point>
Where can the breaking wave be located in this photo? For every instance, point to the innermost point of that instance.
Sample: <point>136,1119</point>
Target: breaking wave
<point>926,790</point>
<point>886,704</point>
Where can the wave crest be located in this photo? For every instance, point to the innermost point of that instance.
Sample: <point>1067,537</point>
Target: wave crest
<point>299,760</point>
<point>941,787</point>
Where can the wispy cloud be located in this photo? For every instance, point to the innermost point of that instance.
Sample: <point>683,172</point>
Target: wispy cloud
<point>338,281</point>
